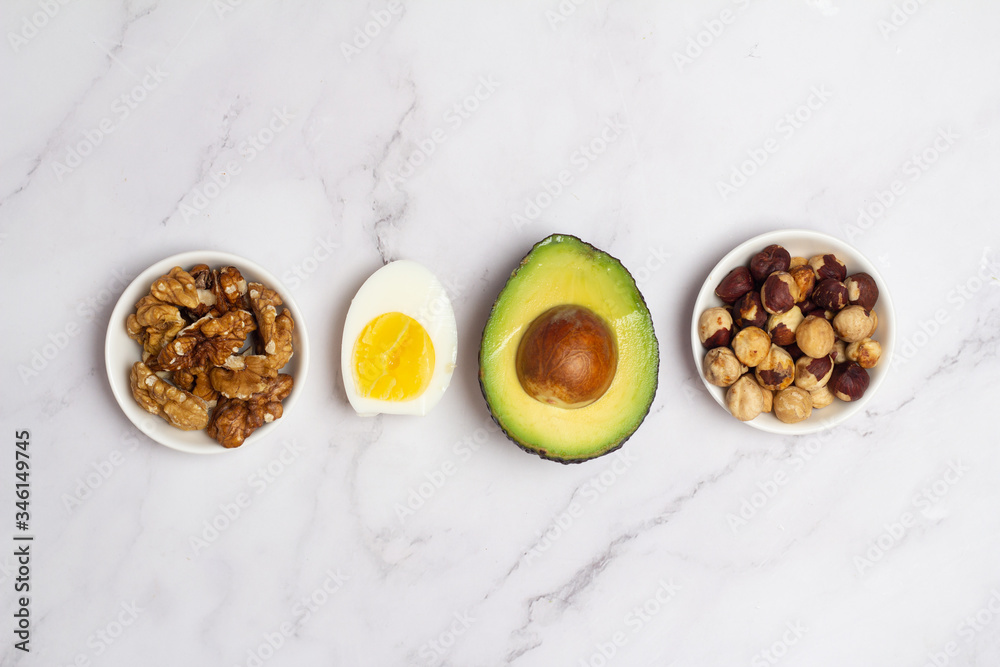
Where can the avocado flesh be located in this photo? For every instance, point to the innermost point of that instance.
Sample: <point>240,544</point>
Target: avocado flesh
<point>562,270</point>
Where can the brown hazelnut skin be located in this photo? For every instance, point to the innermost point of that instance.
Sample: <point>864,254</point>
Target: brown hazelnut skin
<point>793,351</point>
<point>777,370</point>
<point>852,324</point>
<point>815,336</point>
<point>782,327</point>
<point>767,261</point>
<point>748,311</point>
<point>745,399</point>
<point>736,283</point>
<point>805,279</point>
<point>809,308</point>
<point>821,397</point>
<point>715,327</point>
<point>792,405</point>
<point>796,261</point>
<point>828,266</point>
<point>839,351</point>
<point>861,290</point>
<point>866,352</point>
<point>830,294</point>
<point>751,345</point>
<point>779,293</point>
<point>849,381</point>
<point>721,367</point>
<point>813,373</point>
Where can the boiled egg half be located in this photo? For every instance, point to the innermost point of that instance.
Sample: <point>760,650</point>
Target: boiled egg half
<point>400,342</point>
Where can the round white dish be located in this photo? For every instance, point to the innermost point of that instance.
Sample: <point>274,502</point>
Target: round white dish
<point>121,352</point>
<point>801,243</point>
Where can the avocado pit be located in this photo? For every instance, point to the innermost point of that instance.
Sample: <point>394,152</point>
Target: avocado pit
<point>567,357</point>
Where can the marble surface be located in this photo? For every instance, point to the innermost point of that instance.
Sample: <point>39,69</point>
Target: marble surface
<point>323,139</point>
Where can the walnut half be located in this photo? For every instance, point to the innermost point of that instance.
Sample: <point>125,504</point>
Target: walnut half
<point>207,342</point>
<point>153,324</point>
<point>233,419</point>
<point>180,408</point>
<point>176,287</point>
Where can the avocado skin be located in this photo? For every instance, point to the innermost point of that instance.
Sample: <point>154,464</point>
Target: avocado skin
<point>523,446</point>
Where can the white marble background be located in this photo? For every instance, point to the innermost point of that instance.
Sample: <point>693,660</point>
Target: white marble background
<point>282,132</point>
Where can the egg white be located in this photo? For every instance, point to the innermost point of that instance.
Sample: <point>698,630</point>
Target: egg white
<point>410,288</point>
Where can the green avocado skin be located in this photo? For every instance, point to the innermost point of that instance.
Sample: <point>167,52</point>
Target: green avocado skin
<point>531,449</point>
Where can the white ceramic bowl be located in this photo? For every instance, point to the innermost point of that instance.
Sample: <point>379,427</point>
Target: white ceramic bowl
<point>121,352</point>
<point>801,243</point>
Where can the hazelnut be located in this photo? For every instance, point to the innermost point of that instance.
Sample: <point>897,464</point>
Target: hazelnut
<point>792,405</point>
<point>861,290</point>
<point>796,261</point>
<point>751,345</point>
<point>830,294</point>
<point>765,392</point>
<point>839,351</point>
<point>715,327</point>
<point>736,283</point>
<point>721,367</point>
<point>745,399</point>
<point>828,266</point>
<point>776,371</point>
<point>749,312</point>
<point>813,373</point>
<point>815,336</point>
<point>853,323</point>
<point>767,261</point>
<point>805,279</point>
<point>865,351</point>
<point>779,293</point>
<point>783,326</point>
<point>821,397</point>
<point>874,317</point>
<point>849,381</point>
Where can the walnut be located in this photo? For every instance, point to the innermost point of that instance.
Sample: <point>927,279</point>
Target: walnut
<point>233,419</point>
<point>204,390</point>
<point>207,342</point>
<point>176,287</point>
<point>204,276</point>
<point>264,302</point>
<point>218,291</point>
<point>153,324</point>
<point>180,408</point>
<point>242,375</point>
<point>278,348</point>
<point>184,379</point>
<point>204,283</point>
<point>196,381</point>
<point>230,288</point>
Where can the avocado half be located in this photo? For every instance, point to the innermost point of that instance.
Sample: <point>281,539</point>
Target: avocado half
<point>563,270</point>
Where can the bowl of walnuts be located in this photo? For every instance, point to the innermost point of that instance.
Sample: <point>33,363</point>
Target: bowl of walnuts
<point>206,352</point>
<point>793,331</point>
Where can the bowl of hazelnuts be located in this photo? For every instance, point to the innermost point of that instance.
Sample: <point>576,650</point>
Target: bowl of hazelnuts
<point>793,331</point>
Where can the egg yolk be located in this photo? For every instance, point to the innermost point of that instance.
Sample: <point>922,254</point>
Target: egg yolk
<point>393,358</point>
